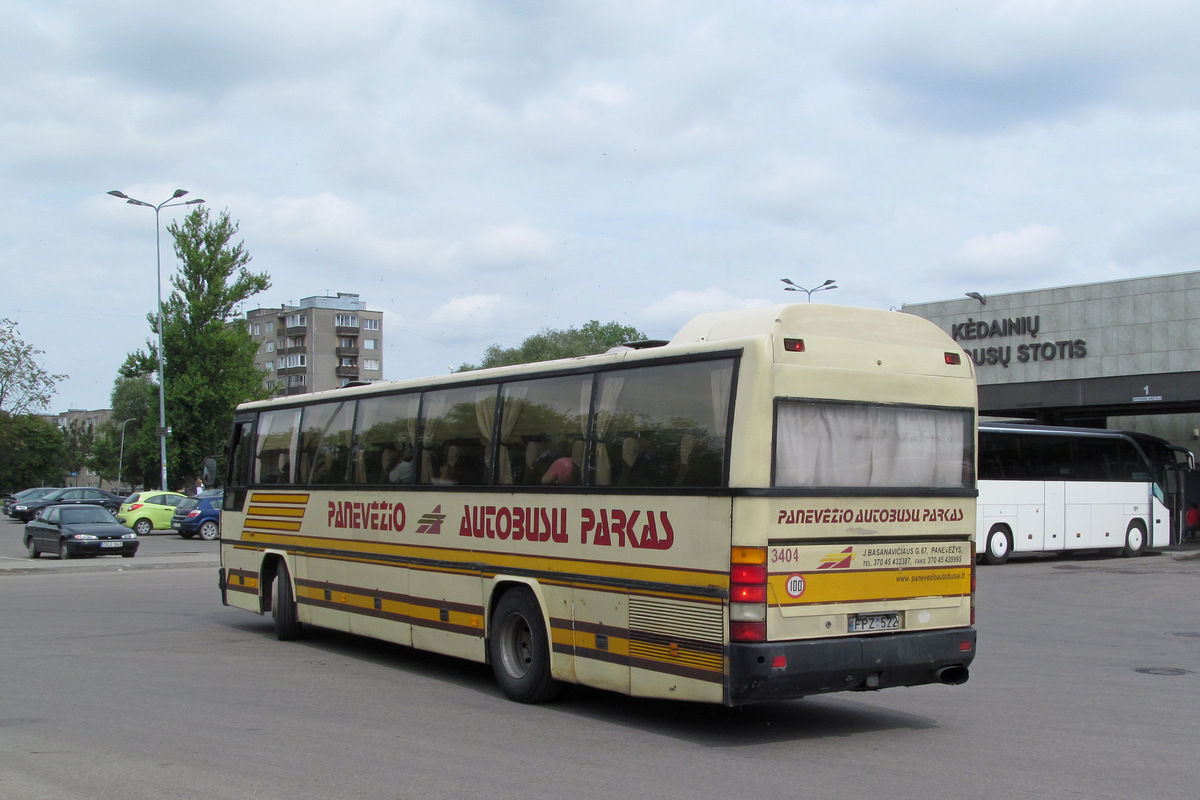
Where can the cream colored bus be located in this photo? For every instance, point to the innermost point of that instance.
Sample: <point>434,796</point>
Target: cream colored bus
<point>778,502</point>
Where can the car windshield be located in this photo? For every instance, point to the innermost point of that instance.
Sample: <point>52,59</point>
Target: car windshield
<point>133,498</point>
<point>188,504</point>
<point>54,494</point>
<point>82,514</point>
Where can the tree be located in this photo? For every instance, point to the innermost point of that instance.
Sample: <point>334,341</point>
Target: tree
<point>135,398</point>
<point>24,384</point>
<point>549,344</point>
<point>31,452</point>
<point>79,439</point>
<point>209,353</point>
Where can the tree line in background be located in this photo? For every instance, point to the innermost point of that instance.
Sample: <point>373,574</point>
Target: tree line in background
<point>209,364</point>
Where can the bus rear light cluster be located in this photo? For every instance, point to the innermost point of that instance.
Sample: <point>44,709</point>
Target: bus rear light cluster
<point>748,594</point>
<point>954,359</point>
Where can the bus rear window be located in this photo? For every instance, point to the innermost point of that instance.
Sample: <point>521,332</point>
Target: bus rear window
<point>851,445</point>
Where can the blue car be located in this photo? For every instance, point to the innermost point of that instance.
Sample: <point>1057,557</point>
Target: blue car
<point>199,515</point>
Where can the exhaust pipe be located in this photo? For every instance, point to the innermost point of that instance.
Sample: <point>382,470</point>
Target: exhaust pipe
<point>952,676</point>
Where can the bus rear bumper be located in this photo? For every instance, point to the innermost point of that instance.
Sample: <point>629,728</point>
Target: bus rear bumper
<point>780,670</point>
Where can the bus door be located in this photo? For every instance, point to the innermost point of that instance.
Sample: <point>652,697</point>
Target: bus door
<point>1058,533</point>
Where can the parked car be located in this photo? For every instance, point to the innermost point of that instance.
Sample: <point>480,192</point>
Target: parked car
<point>200,515</point>
<point>26,510</point>
<point>78,530</point>
<point>146,511</point>
<point>26,494</point>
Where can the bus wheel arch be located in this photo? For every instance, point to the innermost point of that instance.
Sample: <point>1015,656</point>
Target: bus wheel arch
<point>518,644</point>
<point>1135,539</point>
<point>998,545</point>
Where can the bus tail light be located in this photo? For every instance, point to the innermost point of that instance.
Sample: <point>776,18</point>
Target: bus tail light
<point>954,359</point>
<point>793,345</point>
<point>748,594</point>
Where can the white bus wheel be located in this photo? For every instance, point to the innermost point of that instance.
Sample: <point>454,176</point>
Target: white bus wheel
<point>998,547</point>
<point>1135,540</point>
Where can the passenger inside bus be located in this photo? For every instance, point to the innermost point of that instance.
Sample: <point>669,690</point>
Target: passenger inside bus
<point>565,471</point>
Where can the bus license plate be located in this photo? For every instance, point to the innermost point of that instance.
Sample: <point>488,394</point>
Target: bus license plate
<point>862,623</point>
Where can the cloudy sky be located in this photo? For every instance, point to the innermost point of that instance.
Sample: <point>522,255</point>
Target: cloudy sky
<point>481,170</point>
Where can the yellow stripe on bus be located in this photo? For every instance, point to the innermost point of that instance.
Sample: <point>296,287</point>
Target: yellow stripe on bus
<point>846,586</point>
<point>275,511</point>
<point>294,499</point>
<point>271,525</point>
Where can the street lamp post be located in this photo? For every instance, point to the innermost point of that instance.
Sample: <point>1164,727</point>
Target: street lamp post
<point>162,383</point>
<point>795,287</point>
<point>121,457</point>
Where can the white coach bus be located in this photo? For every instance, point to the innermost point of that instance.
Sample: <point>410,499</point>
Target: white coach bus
<point>1046,489</point>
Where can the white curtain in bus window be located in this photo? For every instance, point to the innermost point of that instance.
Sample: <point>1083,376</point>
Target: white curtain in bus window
<point>276,448</point>
<point>843,445</point>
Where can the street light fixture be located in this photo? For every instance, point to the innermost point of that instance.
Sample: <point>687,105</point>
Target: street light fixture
<point>121,457</point>
<point>162,396</point>
<point>795,287</point>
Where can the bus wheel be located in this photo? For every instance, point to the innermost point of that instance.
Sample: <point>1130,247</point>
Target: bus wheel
<point>1135,540</point>
<point>283,606</point>
<point>520,650</point>
<point>999,545</point>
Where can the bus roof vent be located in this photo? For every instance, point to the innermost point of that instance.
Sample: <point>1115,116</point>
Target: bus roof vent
<point>642,345</point>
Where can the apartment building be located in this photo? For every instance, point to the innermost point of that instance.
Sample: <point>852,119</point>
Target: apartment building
<point>322,343</point>
<point>85,421</point>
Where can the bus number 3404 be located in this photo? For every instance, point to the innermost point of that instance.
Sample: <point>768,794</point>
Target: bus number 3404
<point>785,555</point>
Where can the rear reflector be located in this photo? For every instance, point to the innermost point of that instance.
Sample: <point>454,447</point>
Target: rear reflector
<point>793,345</point>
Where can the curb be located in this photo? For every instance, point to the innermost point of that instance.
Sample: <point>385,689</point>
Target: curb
<point>117,565</point>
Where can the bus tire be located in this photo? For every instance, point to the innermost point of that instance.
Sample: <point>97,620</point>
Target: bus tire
<point>519,649</point>
<point>283,606</point>
<point>1135,540</point>
<point>998,546</point>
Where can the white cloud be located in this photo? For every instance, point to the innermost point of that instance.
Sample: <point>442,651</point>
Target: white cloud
<point>1028,247</point>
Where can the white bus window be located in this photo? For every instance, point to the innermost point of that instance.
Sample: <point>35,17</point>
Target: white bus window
<point>821,444</point>
<point>385,440</point>
<point>664,425</point>
<point>325,443</point>
<point>456,427</point>
<point>276,448</point>
<point>543,422</point>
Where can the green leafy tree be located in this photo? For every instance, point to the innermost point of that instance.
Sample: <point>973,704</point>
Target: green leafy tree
<point>135,398</point>
<point>79,438</point>
<point>209,353</point>
<point>24,385</point>
<point>31,452</point>
<point>549,343</point>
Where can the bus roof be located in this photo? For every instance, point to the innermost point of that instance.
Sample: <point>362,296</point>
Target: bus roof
<point>845,322</point>
<point>704,332</point>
